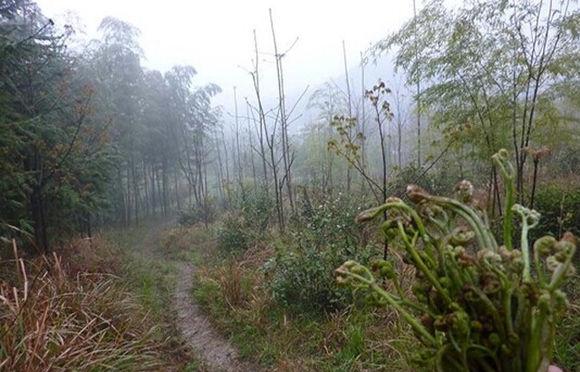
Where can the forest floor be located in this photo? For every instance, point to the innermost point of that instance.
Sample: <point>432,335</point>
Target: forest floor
<point>204,296</point>
<point>214,352</point>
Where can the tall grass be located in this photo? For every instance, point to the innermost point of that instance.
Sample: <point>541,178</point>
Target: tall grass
<point>54,316</point>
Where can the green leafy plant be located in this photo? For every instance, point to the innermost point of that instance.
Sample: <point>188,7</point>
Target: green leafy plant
<point>325,222</point>
<point>476,305</point>
<point>256,207</point>
<point>232,237</point>
<point>303,280</point>
<point>322,236</point>
<point>559,203</point>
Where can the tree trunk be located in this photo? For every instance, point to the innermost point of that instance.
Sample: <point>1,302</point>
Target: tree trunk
<point>39,219</point>
<point>348,167</point>
<point>283,118</point>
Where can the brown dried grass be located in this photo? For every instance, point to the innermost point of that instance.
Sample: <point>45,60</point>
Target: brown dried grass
<point>52,318</point>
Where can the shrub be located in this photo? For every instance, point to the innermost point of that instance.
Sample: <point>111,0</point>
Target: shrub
<point>326,222</point>
<point>248,223</point>
<point>257,207</point>
<point>477,306</point>
<point>303,280</point>
<point>559,204</point>
<point>323,235</point>
<point>232,237</point>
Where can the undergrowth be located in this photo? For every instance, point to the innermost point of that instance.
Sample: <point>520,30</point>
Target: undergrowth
<point>59,315</point>
<point>240,306</point>
<point>273,293</point>
<point>236,294</point>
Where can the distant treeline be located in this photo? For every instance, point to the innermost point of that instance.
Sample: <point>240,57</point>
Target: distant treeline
<point>87,135</point>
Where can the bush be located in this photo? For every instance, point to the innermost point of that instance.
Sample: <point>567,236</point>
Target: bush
<point>303,280</point>
<point>327,222</point>
<point>323,235</point>
<point>256,207</point>
<point>559,205</point>
<point>232,237</point>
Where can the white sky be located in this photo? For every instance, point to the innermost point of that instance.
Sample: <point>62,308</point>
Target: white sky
<point>215,36</point>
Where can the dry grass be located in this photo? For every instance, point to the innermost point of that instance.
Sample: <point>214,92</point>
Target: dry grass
<point>91,255</point>
<point>230,280</point>
<point>57,316</point>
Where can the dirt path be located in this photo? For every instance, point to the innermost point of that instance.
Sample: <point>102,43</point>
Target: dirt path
<point>195,328</point>
<point>208,345</point>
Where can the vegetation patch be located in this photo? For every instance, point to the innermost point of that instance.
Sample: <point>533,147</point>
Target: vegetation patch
<point>55,316</point>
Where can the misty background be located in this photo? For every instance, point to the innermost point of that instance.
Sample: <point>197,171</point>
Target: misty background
<point>215,37</point>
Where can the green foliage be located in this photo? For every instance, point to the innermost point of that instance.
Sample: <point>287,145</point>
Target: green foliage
<point>232,237</point>
<point>325,221</point>
<point>89,135</point>
<point>247,223</point>
<point>349,340</point>
<point>559,204</point>
<point>485,82</point>
<point>322,235</point>
<point>303,280</point>
<point>475,305</point>
<point>256,207</point>
<point>54,159</point>
<point>354,347</point>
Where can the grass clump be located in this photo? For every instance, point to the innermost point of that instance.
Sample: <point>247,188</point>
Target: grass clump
<point>51,319</point>
<point>180,243</point>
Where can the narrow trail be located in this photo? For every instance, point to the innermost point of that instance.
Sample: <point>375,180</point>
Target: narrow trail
<point>216,352</point>
<point>195,328</point>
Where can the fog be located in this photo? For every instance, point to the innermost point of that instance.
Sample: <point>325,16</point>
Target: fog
<point>289,185</point>
<point>216,38</point>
